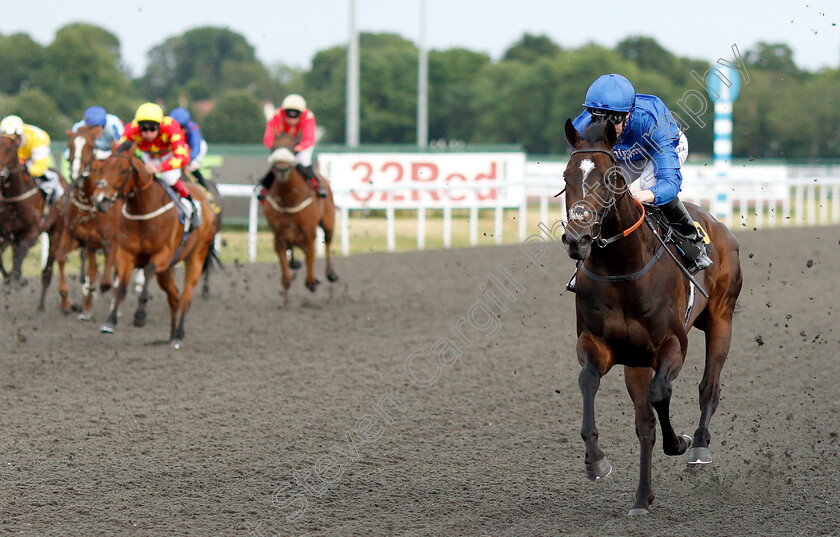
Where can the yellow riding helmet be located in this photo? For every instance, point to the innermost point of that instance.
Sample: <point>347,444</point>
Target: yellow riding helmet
<point>11,125</point>
<point>149,112</point>
<point>294,102</point>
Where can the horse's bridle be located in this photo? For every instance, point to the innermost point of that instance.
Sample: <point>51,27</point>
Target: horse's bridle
<point>118,191</point>
<point>597,239</point>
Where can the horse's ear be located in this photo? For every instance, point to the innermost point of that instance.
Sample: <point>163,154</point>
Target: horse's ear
<point>610,135</point>
<point>572,135</point>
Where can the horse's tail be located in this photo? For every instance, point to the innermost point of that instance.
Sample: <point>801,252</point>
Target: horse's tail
<point>212,255</point>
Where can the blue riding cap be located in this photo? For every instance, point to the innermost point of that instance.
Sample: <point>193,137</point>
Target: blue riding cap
<point>95,116</point>
<point>611,92</point>
<point>181,115</point>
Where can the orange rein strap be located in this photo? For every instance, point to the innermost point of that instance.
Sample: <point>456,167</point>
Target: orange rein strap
<point>638,223</point>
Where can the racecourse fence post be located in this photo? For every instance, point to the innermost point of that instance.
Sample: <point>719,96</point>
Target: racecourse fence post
<point>344,222</point>
<point>389,215</point>
<point>253,223</point>
<point>474,225</point>
<point>499,217</point>
<point>835,203</point>
<point>824,204</point>
<point>447,222</point>
<point>421,220</point>
<point>523,214</point>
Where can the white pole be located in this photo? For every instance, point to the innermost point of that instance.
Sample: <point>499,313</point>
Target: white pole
<point>345,231</point>
<point>253,217</point>
<point>352,133</point>
<point>422,82</point>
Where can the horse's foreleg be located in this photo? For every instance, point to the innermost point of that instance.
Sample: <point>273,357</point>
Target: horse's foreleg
<point>327,226</point>
<point>125,264</point>
<point>166,280</point>
<point>285,273</point>
<point>66,244</point>
<point>311,281</point>
<point>140,314</point>
<point>46,273</point>
<point>90,271</point>
<point>590,355</point>
<point>671,358</point>
<point>718,338</point>
<point>107,281</point>
<point>637,380</point>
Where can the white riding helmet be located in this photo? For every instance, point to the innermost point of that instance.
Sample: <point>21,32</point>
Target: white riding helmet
<point>11,125</point>
<point>294,102</point>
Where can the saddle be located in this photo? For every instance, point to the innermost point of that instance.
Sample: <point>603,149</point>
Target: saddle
<point>184,216</point>
<point>670,234</point>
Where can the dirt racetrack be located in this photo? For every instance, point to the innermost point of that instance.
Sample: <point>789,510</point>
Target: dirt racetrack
<point>269,414</point>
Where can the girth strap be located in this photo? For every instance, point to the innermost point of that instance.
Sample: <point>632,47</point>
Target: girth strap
<point>625,277</point>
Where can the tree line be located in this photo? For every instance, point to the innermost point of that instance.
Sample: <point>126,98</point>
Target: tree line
<point>524,98</point>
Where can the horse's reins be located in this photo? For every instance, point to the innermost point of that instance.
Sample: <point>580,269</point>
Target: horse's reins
<point>598,240</point>
<point>9,170</point>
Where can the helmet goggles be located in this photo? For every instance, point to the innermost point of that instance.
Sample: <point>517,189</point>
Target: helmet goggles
<point>610,115</point>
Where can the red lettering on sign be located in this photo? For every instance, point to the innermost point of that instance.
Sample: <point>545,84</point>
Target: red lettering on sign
<point>399,175</point>
<point>425,172</point>
<point>368,171</point>
<point>452,177</point>
<point>490,176</point>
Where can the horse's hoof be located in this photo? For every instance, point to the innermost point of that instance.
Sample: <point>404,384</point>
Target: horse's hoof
<point>332,276</point>
<point>638,511</point>
<point>106,329</point>
<point>294,264</point>
<point>75,308</point>
<point>139,321</point>
<point>699,455</point>
<point>83,317</point>
<point>685,444</point>
<point>312,285</point>
<point>598,469</point>
<point>176,344</point>
<point>105,287</point>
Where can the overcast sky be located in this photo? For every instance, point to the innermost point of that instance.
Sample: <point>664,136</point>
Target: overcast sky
<point>292,32</point>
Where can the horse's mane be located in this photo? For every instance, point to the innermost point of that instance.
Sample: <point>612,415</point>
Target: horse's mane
<point>594,132</point>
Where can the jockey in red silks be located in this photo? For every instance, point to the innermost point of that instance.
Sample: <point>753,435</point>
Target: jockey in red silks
<point>296,120</point>
<point>164,149</point>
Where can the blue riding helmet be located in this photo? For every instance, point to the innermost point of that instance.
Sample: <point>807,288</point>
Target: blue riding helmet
<point>95,116</point>
<point>181,115</point>
<point>611,92</point>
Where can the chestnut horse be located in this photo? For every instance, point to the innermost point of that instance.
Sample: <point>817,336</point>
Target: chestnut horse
<point>635,309</point>
<point>150,236</point>
<point>85,226</point>
<point>21,216</point>
<point>294,212</point>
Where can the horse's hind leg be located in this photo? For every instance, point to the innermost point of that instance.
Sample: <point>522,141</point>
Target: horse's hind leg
<point>166,280</point>
<point>191,276</point>
<point>140,313</point>
<point>670,362</point>
<point>637,380</point>
<point>718,338</point>
<point>46,273</point>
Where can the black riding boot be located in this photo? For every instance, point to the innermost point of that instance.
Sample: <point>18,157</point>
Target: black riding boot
<point>265,184</point>
<point>309,174</point>
<point>199,178</point>
<point>571,285</point>
<point>695,252</point>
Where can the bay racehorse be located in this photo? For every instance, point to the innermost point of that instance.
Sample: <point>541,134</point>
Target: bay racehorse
<point>294,212</point>
<point>635,306</point>
<point>22,216</point>
<point>214,197</point>
<point>85,226</point>
<point>150,236</point>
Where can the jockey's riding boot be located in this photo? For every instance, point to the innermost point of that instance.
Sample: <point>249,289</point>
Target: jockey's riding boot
<point>199,178</point>
<point>195,218</point>
<point>265,183</point>
<point>695,252</point>
<point>571,285</point>
<point>309,173</point>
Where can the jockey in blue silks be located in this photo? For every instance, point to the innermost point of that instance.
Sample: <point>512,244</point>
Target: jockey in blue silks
<point>198,146</point>
<point>650,150</point>
<point>111,130</point>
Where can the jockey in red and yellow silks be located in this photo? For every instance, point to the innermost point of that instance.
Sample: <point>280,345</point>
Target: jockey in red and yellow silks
<point>165,152</point>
